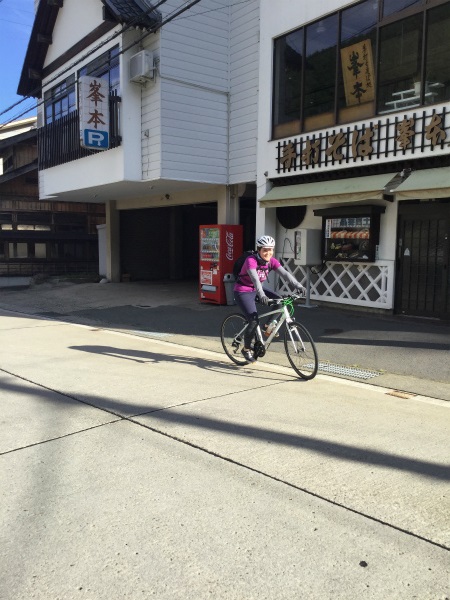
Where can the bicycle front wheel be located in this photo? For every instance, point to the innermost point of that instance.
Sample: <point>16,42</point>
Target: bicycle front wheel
<point>232,337</point>
<point>301,350</point>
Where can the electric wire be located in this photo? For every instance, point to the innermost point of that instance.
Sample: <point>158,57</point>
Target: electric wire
<point>176,13</point>
<point>124,28</point>
<point>129,25</point>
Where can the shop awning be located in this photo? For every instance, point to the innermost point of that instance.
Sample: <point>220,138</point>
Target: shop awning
<point>335,191</point>
<point>429,183</point>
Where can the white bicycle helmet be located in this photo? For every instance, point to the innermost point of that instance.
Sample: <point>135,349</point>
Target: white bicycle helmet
<point>265,241</point>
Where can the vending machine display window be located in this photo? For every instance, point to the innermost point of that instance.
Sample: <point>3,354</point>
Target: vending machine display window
<point>350,233</point>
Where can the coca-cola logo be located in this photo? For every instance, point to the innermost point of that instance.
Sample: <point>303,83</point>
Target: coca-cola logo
<point>230,246</point>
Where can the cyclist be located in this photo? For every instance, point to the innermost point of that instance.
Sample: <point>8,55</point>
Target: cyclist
<point>248,286</point>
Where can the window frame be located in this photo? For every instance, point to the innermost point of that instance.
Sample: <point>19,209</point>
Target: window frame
<point>104,65</point>
<point>422,7</point>
<point>54,98</point>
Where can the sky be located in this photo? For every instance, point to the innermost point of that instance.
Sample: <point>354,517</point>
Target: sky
<point>16,22</point>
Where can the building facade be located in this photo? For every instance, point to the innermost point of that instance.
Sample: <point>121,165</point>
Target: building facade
<point>40,237</point>
<point>180,84</point>
<point>354,150</point>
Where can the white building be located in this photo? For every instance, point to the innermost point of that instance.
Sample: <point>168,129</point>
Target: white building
<point>354,144</point>
<point>183,88</point>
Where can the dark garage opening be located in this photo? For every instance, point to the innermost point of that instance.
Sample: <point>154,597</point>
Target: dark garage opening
<point>162,243</point>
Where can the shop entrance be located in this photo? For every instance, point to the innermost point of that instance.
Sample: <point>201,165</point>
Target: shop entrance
<point>423,248</point>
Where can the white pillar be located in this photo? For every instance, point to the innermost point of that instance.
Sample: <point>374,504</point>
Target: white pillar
<point>228,205</point>
<point>266,218</point>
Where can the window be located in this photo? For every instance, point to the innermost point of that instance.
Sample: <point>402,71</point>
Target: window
<point>60,100</point>
<point>36,218</point>
<point>437,66</point>
<point>288,83</point>
<point>362,60</point>
<point>393,6</point>
<point>400,64</point>
<point>8,163</point>
<point>320,73</point>
<point>18,250</point>
<point>40,250</point>
<point>105,66</point>
<point>356,91</point>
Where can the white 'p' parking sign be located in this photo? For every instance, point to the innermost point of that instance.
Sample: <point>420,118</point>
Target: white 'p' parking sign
<point>93,95</point>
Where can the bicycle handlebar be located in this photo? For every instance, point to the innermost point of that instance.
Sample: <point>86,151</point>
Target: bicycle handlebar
<point>278,301</point>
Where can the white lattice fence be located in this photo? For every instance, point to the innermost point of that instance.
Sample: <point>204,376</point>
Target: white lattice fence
<point>359,284</point>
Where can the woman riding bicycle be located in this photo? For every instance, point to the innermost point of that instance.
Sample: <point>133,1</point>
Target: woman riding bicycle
<point>248,286</point>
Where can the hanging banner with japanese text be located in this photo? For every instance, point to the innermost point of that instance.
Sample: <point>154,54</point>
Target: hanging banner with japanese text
<point>358,73</point>
<point>93,103</point>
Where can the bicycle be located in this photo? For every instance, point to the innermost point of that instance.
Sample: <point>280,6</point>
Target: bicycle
<point>298,343</point>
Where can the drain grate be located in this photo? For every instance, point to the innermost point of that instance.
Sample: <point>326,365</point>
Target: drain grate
<point>347,371</point>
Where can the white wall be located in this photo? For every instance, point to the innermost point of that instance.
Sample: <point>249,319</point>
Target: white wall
<point>194,93</point>
<point>86,14</point>
<point>151,116</point>
<point>244,65</point>
<point>94,170</point>
<point>199,119</point>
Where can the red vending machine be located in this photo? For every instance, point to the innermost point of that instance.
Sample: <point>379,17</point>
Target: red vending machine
<point>220,246</point>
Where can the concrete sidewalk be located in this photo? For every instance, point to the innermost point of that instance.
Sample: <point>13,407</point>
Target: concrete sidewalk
<point>410,355</point>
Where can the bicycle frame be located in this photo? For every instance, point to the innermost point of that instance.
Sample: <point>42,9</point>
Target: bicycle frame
<point>284,317</point>
<point>298,343</point>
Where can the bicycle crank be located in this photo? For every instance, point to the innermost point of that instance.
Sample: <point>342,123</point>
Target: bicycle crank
<point>259,350</point>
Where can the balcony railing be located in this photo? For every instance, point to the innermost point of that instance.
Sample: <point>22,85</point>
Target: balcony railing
<point>59,142</point>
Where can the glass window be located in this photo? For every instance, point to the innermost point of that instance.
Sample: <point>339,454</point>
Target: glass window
<point>60,100</point>
<point>287,84</point>
<point>392,6</point>
<point>400,65</point>
<point>2,249</point>
<point>379,68</point>
<point>40,250</point>
<point>356,91</point>
<point>5,217</point>
<point>18,250</point>
<point>437,67</point>
<point>105,66</point>
<point>320,73</point>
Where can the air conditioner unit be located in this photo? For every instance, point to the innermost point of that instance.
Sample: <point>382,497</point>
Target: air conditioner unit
<point>142,68</point>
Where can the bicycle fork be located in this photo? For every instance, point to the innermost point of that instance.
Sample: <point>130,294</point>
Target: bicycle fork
<point>299,337</point>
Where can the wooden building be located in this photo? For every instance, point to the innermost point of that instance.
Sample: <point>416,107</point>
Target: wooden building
<point>48,237</point>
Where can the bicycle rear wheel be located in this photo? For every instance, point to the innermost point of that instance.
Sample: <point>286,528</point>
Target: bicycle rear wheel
<point>301,350</point>
<point>232,337</point>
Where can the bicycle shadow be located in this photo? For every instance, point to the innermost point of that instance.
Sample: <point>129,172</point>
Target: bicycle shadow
<point>155,358</point>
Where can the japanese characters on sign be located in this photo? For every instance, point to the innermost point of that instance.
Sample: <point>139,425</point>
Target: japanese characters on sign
<point>93,95</point>
<point>357,70</point>
<point>390,136</point>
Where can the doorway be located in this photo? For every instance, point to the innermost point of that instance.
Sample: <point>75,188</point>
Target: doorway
<point>422,283</point>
